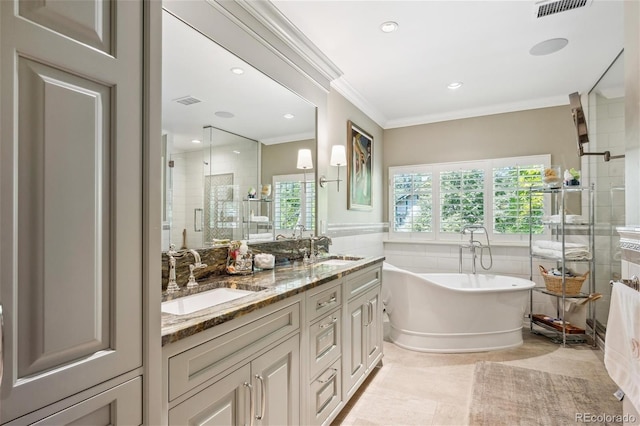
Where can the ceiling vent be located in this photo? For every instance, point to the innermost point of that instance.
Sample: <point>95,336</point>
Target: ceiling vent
<point>551,7</point>
<point>187,100</point>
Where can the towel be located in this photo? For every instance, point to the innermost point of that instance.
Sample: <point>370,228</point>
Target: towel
<point>622,345</point>
<point>259,219</point>
<point>569,254</point>
<point>557,245</point>
<point>267,236</point>
<point>572,219</point>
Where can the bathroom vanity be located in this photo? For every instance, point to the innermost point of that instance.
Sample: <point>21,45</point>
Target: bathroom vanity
<point>292,351</point>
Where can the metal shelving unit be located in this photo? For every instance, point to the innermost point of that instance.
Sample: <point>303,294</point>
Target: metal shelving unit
<point>254,230</point>
<point>563,332</point>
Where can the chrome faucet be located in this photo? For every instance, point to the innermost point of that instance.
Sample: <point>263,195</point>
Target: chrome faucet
<point>172,254</point>
<point>475,245</point>
<point>313,253</point>
<point>192,267</point>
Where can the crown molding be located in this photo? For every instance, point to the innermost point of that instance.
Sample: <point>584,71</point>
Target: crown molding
<point>352,95</point>
<point>478,112</point>
<point>281,27</point>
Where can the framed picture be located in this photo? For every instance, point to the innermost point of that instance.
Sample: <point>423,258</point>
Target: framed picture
<point>359,168</point>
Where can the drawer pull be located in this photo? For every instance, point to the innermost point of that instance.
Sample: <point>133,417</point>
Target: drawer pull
<point>329,324</point>
<point>263,393</point>
<point>251,407</point>
<point>328,379</point>
<point>328,302</point>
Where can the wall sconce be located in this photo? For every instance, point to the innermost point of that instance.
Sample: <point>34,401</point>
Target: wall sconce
<point>338,158</point>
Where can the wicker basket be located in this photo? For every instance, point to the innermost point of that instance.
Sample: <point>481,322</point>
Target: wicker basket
<point>554,283</point>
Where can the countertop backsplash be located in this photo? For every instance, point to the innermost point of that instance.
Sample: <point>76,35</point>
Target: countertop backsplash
<point>216,257</point>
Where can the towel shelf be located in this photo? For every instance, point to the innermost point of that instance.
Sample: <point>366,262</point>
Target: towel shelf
<point>563,252</point>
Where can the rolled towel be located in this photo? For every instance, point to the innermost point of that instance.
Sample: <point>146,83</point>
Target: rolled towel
<point>259,218</point>
<point>557,245</point>
<point>267,236</point>
<point>575,219</point>
<point>569,254</point>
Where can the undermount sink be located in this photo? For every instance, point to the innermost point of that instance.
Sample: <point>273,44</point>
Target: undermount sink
<point>195,302</point>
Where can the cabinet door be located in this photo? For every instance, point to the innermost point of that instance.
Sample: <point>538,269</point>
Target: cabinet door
<point>355,342</point>
<point>276,382</point>
<point>225,402</point>
<point>71,191</point>
<point>363,337</point>
<point>373,330</point>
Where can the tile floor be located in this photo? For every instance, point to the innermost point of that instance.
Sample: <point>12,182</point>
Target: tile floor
<point>414,388</point>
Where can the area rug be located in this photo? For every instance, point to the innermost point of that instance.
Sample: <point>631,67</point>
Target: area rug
<point>507,395</point>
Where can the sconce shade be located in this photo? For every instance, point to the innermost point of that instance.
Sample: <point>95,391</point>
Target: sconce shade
<point>338,156</point>
<point>304,159</point>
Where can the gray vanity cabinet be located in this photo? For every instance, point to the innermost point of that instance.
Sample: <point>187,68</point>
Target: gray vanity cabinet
<point>363,331</point>
<point>71,234</point>
<point>324,325</point>
<point>265,389</point>
<point>244,371</point>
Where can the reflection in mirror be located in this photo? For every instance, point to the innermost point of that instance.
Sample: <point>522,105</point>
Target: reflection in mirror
<point>227,130</point>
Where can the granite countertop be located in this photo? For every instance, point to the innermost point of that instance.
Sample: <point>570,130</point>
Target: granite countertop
<point>270,286</point>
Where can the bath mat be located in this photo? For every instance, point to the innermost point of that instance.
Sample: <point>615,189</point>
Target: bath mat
<point>508,395</point>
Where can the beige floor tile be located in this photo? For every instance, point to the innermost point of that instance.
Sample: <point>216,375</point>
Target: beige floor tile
<point>435,389</point>
<point>450,415</point>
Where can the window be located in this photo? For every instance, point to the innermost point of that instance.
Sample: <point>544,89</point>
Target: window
<point>412,202</point>
<point>293,204</point>
<point>461,198</point>
<point>434,201</point>
<point>511,199</point>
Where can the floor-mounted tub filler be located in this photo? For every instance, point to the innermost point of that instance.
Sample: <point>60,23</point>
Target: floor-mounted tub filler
<point>454,312</point>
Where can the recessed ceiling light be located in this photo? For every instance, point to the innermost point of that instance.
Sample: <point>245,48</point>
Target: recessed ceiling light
<point>288,116</point>
<point>224,114</point>
<point>196,141</point>
<point>389,26</point>
<point>548,47</point>
<point>236,151</point>
<point>237,70</point>
<point>455,85</point>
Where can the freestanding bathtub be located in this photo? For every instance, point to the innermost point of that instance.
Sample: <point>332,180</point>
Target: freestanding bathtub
<point>454,312</point>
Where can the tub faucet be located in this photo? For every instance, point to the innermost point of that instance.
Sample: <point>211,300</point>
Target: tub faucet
<point>301,227</point>
<point>474,246</point>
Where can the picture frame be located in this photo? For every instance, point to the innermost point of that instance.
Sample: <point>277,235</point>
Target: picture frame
<point>359,168</point>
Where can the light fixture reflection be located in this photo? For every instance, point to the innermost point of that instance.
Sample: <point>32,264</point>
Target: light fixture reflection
<point>304,159</point>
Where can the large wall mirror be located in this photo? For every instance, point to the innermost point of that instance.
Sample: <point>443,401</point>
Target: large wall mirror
<point>231,137</point>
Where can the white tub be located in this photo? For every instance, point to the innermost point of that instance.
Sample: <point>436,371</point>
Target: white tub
<point>454,312</point>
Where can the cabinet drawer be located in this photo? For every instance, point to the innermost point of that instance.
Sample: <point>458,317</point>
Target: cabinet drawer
<point>199,364</point>
<point>121,404</point>
<point>362,281</point>
<point>325,393</point>
<point>324,342</point>
<point>320,301</point>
